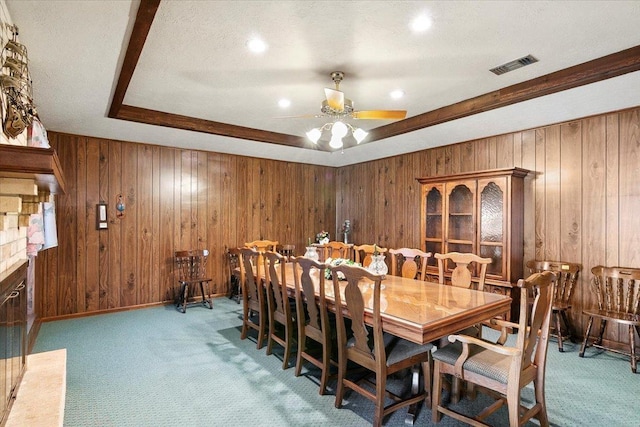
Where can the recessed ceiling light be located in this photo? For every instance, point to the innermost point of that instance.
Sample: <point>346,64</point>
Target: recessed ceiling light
<point>397,94</point>
<point>421,23</point>
<point>284,103</point>
<point>256,45</point>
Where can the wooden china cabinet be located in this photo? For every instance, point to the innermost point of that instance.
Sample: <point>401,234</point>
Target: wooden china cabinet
<point>478,212</point>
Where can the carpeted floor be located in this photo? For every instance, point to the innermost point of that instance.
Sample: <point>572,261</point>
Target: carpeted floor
<point>159,367</point>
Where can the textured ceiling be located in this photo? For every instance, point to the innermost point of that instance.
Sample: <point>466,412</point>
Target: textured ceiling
<point>195,63</point>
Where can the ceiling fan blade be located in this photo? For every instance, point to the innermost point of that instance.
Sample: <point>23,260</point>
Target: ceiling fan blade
<point>380,114</point>
<point>335,99</point>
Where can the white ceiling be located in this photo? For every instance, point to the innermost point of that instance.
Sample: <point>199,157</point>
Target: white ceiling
<point>195,63</point>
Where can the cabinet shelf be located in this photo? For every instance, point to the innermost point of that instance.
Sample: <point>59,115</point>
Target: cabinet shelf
<point>40,164</point>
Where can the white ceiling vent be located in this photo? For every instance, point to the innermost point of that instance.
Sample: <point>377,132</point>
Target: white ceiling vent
<point>513,65</point>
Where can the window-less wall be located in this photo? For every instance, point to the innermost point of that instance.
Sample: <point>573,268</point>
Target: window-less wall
<point>580,206</point>
<point>581,203</point>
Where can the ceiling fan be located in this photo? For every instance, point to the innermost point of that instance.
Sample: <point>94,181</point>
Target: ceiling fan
<point>337,107</point>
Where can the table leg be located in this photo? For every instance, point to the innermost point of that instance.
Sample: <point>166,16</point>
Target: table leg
<point>412,413</point>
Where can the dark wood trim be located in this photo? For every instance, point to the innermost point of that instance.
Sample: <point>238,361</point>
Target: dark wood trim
<point>603,68</point>
<point>609,66</point>
<point>176,121</point>
<point>40,164</point>
<point>144,18</point>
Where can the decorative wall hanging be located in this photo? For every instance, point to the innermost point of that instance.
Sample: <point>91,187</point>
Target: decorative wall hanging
<point>15,82</point>
<point>119,206</point>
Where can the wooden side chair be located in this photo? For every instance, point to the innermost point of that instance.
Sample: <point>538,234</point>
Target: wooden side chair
<point>191,268</point>
<point>263,246</point>
<point>254,307</point>
<point>618,294</point>
<point>312,317</point>
<point>335,249</point>
<point>287,251</point>
<point>363,253</point>
<point>567,273</point>
<point>232,257</point>
<point>278,306</point>
<point>409,263</point>
<point>499,370</point>
<point>461,274</point>
<point>380,353</point>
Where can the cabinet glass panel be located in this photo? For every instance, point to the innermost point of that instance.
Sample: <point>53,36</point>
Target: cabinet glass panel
<point>434,214</point>
<point>459,247</point>
<point>495,253</point>
<point>461,225</point>
<point>4,353</point>
<point>491,213</point>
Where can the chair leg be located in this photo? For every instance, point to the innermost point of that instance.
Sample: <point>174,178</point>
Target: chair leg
<point>261,329</point>
<point>556,315</point>
<point>586,337</point>
<point>513,403</point>
<point>571,333</point>
<point>185,296</point>
<point>342,369</point>
<point>603,324</point>
<point>632,344</point>
<point>436,391</point>
<point>287,346</point>
<point>301,347</point>
<point>381,390</point>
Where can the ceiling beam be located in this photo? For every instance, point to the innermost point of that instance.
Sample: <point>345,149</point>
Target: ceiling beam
<point>603,68</point>
<point>176,121</point>
<point>144,18</point>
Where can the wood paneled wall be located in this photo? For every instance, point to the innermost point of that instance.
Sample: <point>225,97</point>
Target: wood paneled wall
<point>581,201</point>
<point>175,199</point>
<point>581,205</point>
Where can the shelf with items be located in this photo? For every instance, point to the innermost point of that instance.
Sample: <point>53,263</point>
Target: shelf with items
<point>38,164</point>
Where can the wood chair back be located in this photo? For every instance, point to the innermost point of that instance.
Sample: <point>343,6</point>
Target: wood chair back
<point>567,273</point>
<point>461,275</point>
<point>312,316</point>
<point>500,368</point>
<point>263,246</point>
<point>617,291</point>
<point>278,305</point>
<point>409,263</point>
<point>253,295</point>
<point>363,253</point>
<point>335,249</point>
<point>192,265</point>
<point>233,259</point>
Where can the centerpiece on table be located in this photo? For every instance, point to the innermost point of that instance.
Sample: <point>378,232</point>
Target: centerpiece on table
<point>322,237</point>
<point>335,262</point>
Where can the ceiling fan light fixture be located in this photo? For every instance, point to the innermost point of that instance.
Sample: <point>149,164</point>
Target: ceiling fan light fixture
<point>339,129</point>
<point>336,142</point>
<point>359,135</point>
<point>314,135</point>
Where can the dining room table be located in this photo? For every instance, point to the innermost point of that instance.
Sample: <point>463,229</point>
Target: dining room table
<point>419,311</point>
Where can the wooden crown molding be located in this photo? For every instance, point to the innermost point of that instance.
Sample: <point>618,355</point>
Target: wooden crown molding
<point>606,67</point>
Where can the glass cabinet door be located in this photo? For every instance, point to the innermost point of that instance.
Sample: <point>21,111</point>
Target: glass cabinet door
<point>434,230</point>
<point>492,223</point>
<point>461,228</point>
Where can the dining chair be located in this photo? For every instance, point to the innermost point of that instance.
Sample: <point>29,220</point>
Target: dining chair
<point>278,307</point>
<point>617,291</point>
<point>381,353</point>
<point>502,370</point>
<point>313,317</point>
<point>567,273</point>
<point>461,276</point>
<point>254,308</point>
<point>363,253</point>
<point>335,249</point>
<point>409,263</point>
<point>262,246</point>
<point>287,251</point>
<point>191,267</point>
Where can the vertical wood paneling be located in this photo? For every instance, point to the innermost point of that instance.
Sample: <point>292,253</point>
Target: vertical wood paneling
<point>581,195</point>
<point>144,223</point>
<point>594,207</point>
<point>129,292</point>
<point>82,212</point>
<point>93,252</point>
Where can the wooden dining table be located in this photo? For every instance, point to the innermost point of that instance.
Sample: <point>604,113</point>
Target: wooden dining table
<point>419,311</point>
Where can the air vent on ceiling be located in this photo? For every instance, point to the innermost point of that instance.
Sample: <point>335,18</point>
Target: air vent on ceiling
<point>513,65</point>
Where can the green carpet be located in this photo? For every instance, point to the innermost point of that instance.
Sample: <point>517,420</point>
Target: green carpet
<point>159,367</point>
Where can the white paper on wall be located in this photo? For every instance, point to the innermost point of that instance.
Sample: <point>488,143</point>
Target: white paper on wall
<point>50,232</point>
